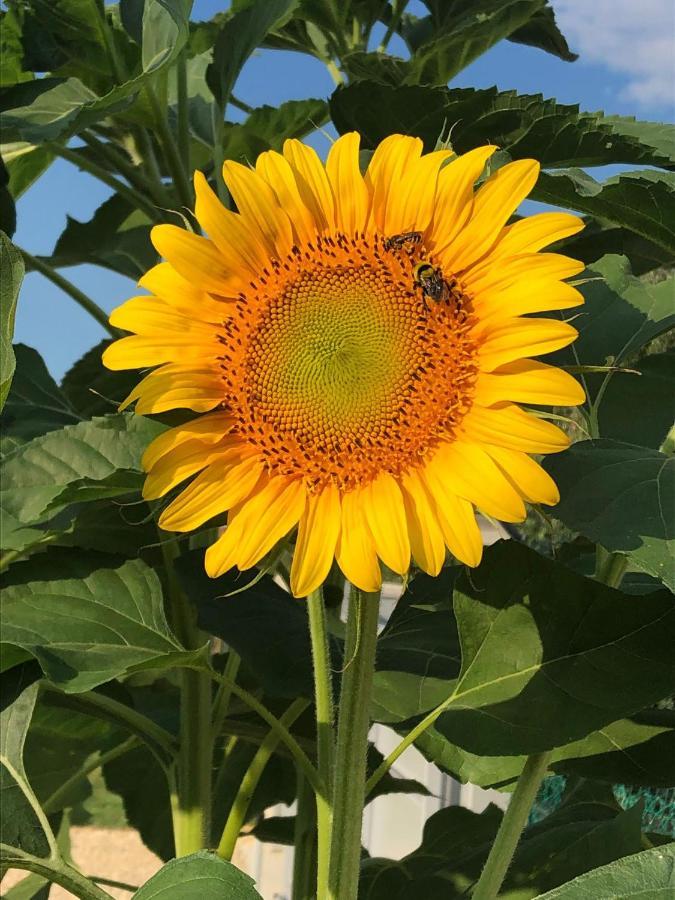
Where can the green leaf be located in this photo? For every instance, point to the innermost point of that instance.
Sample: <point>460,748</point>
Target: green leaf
<point>622,497</point>
<point>20,826</point>
<point>35,405</point>
<point>620,315</point>
<point>598,239</point>
<point>641,201</point>
<point>83,462</point>
<point>542,31</point>
<point>11,264</point>
<point>25,163</point>
<point>239,36</point>
<point>467,32</point>
<point>549,656</point>
<point>89,628</point>
<point>11,48</point>
<point>93,390</point>
<point>7,206</point>
<point>525,125</point>
<point>649,875</point>
<point>638,409</point>
<point>201,876</point>
<point>117,237</point>
<point>165,31</point>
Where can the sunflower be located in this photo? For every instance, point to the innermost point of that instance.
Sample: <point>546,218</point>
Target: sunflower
<point>356,347</point>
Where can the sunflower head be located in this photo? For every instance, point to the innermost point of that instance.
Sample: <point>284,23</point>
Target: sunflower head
<point>356,348</point>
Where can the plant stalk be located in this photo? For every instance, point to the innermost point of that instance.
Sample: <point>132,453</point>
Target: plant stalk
<point>323,704</point>
<point>69,288</point>
<point>54,870</point>
<point>304,843</point>
<point>171,151</point>
<point>352,745</point>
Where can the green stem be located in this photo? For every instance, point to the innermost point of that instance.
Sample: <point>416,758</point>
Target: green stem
<point>352,745</point>
<point>110,882</point>
<point>221,704</point>
<point>609,567</point>
<point>69,288</point>
<point>55,801</point>
<point>170,150</point>
<point>183,113</point>
<point>54,870</point>
<point>244,107</point>
<point>130,194</point>
<point>119,160</point>
<point>191,806</point>
<point>325,721</point>
<point>334,72</point>
<point>511,827</point>
<point>249,782</point>
<point>22,783</point>
<point>304,843</point>
<point>396,15</point>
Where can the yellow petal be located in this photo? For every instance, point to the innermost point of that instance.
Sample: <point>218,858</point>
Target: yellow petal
<point>465,470</point>
<point>457,521</point>
<point>385,514</point>
<point>391,159</point>
<point>534,232</point>
<point>164,281</point>
<point>257,204</point>
<point>313,183</point>
<point>529,295</point>
<point>184,461</point>
<point>139,351</point>
<point>509,426</point>
<point>528,477</point>
<point>208,430</point>
<point>279,176</point>
<point>355,552</point>
<point>412,203</point>
<point>242,253</point>
<point>500,196</point>
<point>349,189</point>
<point>257,526</point>
<point>516,338</point>
<point>454,194</point>
<point>520,270</point>
<point>177,386</point>
<point>426,537</point>
<point>150,316</point>
<point>216,490</point>
<point>195,258</point>
<point>529,381</point>
<point>317,538</point>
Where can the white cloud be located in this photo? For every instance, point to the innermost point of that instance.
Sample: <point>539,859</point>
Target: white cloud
<point>635,38</point>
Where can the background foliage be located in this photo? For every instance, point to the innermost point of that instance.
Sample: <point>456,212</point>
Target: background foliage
<point>529,653</point>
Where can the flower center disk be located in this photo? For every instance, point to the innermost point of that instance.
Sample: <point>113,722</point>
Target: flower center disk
<point>337,367</point>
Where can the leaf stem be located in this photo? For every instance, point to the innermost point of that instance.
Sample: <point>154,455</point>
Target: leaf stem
<point>394,22</point>
<point>609,567</point>
<point>55,870</point>
<point>242,802</point>
<point>133,174</point>
<point>54,802</point>
<point>170,149</point>
<point>511,827</point>
<point>25,788</point>
<point>325,719</point>
<point>130,194</point>
<point>69,288</point>
<point>183,123</point>
<point>222,702</point>
<point>352,745</point>
<point>304,843</point>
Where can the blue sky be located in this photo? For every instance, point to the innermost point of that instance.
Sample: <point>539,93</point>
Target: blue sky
<point>626,67</point>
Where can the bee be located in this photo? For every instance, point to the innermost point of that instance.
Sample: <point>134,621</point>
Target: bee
<point>397,241</point>
<point>431,280</point>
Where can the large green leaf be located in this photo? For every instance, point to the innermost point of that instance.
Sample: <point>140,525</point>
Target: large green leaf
<point>649,875</point>
<point>548,656</point>
<point>165,31</point>
<point>83,462</point>
<point>526,125</point>
<point>620,315</point>
<point>35,405</point>
<point>11,264</point>
<point>11,49</point>
<point>87,622</point>
<point>622,497</point>
<point>542,31</point>
<point>239,36</point>
<point>599,238</point>
<point>20,826</point>
<point>201,876</point>
<point>642,201</point>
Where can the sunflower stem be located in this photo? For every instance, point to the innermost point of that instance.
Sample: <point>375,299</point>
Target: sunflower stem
<point>242,802</point>
<point>191,805</point>
<point>610,568</point>
<point>304,842</point>
<point>352,745</point>
<point>69,288</point>
<point>323,705</point>
<point>170,150</point>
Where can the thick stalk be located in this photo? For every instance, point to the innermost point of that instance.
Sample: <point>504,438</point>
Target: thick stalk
<point>323,704</point>
<point>69,288</point>
<point>250,781</point>
<point>183,113</point>
<point>191,807</point>
<point>352,745</point>
<point>304,843</point>
<point>610,568</point>
<point>130,194</point>
<point>170,151</point>
<point>511,827</point>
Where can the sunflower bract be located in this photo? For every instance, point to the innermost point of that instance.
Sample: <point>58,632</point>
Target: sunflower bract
<point>333,394</point>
